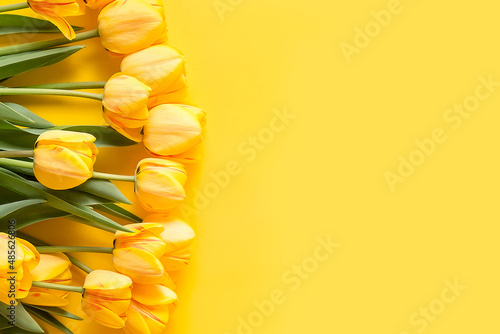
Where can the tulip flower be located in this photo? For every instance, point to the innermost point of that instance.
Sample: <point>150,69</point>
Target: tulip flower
<point>53,268</point>
<point>160,67</point>
<point>125,105</point>
<point>149,309</point>
<point>159,184</point>
<point>127,26</point>
<point>106,297</point>
<point>55,10</point>
<point>19,257</point>
<point>64,159</point>
<point>171,129</point>
<point>159,245</point>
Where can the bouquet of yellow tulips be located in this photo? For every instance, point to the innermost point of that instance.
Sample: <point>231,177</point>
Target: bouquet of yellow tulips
<point>47,171</point>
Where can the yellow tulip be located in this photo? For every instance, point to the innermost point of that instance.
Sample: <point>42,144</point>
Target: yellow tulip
<point>127,26</point>
<point>55,10</point>
<point>171,129</point>
<point>106,297</point>
<point>125,105</point>
<point>20,257</point>
<point>160,67</point>
<point>64,159</point>
<point>159,245</point>
<point>150,309</point>
<point>53,268</point>
<point>159,184</point>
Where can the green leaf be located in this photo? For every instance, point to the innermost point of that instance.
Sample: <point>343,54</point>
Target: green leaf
<point>11,65</point>
<point>14,24</point>
<point>11,115</point>
<point>74,196</point>
<point>23,187</point>
<point>7,208</point>
<point>35,214</point>
<point>57,311</point>
<point>104,189</point>
<point>118,211</point>
<point>14,138</point>
<point>7,196</point>
<point>4,324</point>
<point>15,330</point>
<point>48,318</point>
<point>22,318</point>
<point>35,120</point>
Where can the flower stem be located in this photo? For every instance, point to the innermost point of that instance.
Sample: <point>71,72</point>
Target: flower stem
<point>58,286</point>
<point>41,91</point>
<point>70,85</point>
<point>11,49</point>
<point>14,6</point>
<point>16,154</point>
<point>106,176</point>
<point>73,249</point>
<point>15,163</point>
<point>79,264</point>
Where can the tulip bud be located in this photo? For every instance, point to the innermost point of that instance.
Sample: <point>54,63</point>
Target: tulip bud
<point>149,309</point>
<point>171,129</point>
<point>106,297</point>
<point>64,159</point>
<point>53,268</point>
<point>127,26</point>
<point>159,184</point>
<point>55,10</point>
<point>19,257</point>
<point>160,67</point>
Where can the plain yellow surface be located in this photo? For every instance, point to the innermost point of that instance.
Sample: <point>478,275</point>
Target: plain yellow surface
<point>419,257</point>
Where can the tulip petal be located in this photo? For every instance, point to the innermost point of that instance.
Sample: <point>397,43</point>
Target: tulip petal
<point>135,322</point>
<point>102,315</point>
<point>57,167</point>
<point>64,136</point>
<point>158,67</point>
<point>106,280</point>
<point>50,266</point>
<point>45,299</point>
<point>127,26</point>
<point>61,24</point>
<point>171,129</point>
<point>153,294</point>
<point>140,266</point>
<point>133,134</point>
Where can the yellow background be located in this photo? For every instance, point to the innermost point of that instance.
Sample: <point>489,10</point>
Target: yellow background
<point>323,174</point>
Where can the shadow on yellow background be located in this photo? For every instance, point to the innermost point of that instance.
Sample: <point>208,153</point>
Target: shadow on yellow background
<point>326,203</point>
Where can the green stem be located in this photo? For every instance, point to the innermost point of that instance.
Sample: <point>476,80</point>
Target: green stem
<point>15,163</point>
<point>58,286</point>
<point>14,6</point>
<point>16,154</point>
<point>74,249</point>
<point>71,85</point>
<point>106,176</point>
<point>40,91</point>
<point>11,49</point>
<point>79,264</point>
